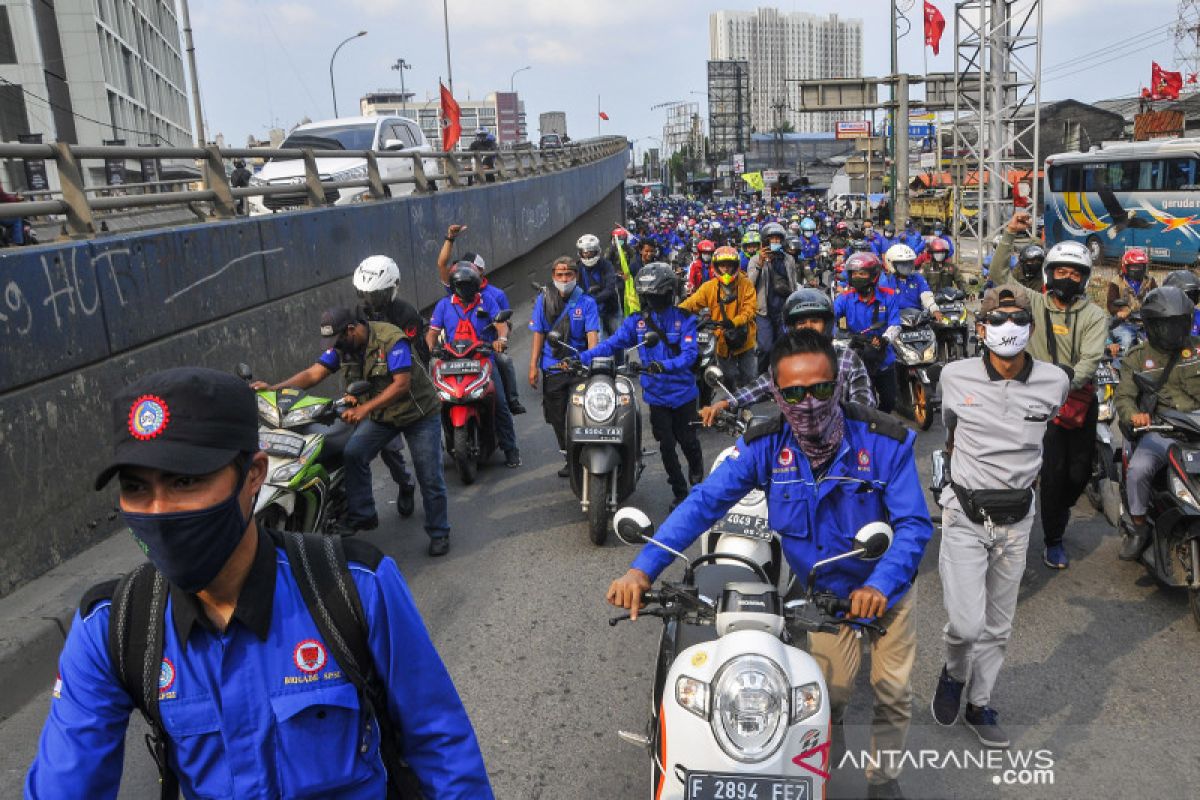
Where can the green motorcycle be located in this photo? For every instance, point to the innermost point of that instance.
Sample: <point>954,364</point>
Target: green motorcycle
<point>304,440</point>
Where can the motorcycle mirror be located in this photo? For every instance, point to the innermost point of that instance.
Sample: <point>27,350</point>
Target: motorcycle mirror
<point>651,339</point>
<point>482,313</point>
<point>713,376</point>
<point>243,372</point>
<point>358,388</point>
<point>504,316</point>
<point>873,540</point>
<point>632,525</point>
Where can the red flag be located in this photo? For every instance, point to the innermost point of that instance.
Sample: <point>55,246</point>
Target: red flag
<point>451,120</point>
<point>1192,78</point>
<point>935,23</point>
<point>603,116</point>
<point>1164,84</point>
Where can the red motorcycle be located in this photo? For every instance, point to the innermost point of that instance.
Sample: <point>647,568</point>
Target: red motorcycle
<point>464,376</point>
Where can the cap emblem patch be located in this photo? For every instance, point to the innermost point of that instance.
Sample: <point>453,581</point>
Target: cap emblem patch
<point>148,417</point>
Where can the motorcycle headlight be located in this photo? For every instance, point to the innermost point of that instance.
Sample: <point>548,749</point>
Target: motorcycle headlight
<point>299,417</point>
<point>806,701</point>
<point>1181,491</point>
<point>267,412</point>
<point>285,473</point>
<point>600,402</point>
<point>930,354</point>
<point>750,709</point>
<point>352,174</point>
<point>692,695</point>
<point>476,393</point>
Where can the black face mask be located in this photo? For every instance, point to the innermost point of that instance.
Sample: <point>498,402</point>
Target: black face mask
<point>657,302</point>
<point>1031,270</point>
<point>1135,273</point>
<point>863,285</point>
<point>1065,289</point>
<point>465,295</point>
<point>189,548</point>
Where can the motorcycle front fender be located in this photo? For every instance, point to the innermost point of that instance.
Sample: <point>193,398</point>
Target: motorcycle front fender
<point>600,459</point>
<point>282,498</point>
<point>459,414</point>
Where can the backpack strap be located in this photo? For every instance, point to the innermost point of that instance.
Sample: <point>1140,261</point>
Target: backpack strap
<point>323,577</point>
<point>135,648</point>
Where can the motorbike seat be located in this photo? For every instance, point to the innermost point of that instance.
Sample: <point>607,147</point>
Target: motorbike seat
<point>711,580</point>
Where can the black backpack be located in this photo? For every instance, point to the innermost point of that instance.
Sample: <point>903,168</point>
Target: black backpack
<point>135,642</point>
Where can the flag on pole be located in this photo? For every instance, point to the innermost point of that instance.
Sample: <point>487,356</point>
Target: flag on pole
<point>604,116</point>
<point>1164,84</point>
<point>754,180</point>
<point>935,23</point>
<point>451,119</point>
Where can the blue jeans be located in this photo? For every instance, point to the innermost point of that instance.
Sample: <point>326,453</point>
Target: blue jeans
<point>424,439</point>
<point>506,434</point>
<point>16,230</point>
<point>508,374</point>
<point>769,329</point>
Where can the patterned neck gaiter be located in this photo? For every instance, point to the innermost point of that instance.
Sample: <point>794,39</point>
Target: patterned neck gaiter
<point>817,425</point>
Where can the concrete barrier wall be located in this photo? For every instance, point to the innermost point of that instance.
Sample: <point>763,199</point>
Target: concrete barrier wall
<point>82,319</point>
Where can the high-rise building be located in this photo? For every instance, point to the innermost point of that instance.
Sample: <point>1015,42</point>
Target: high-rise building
<point>502,113</point>
<point>90,71</point>
<point>786,46</point>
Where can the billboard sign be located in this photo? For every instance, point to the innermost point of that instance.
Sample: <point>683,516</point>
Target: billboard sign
<point>856,129</point>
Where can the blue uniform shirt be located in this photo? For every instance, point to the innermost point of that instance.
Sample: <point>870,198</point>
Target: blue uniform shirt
<point>580,309</point>
<point>873,477</point>
<point>908,290</point>
<point>860,315</point>
<point>877,243</point>
<point>810,247</point>
<point>913,239</point>
<point>676,385</point>
<point>450,313</point>
<point>263,710</point>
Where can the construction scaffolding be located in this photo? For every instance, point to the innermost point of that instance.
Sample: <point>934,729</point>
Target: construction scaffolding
<point>728,108</point>
<point>997,92</point>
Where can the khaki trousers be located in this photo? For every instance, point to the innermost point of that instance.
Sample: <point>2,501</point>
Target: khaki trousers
<point>892,656</point>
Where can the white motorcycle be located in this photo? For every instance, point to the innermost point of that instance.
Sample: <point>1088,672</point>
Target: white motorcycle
<point>737,712</point>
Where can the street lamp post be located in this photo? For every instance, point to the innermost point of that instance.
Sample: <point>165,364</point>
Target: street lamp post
<point>400,66</point>
<point>332,86</point>
<point>511,85</point>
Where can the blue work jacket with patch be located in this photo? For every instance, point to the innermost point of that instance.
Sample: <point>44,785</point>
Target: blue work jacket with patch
<point>263,710</point>
<point>675,385</point>
<point>882,311</point>
<point>872,478</point>
<point>908,290</point>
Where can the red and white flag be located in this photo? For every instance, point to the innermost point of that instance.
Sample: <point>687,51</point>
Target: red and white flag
<point>451,119</point>
<point>603,116</point>
<point>1164,84</point>
<point>935,23</point>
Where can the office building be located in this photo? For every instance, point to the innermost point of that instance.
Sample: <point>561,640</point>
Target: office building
<point>786,46</point>
<point>90,71</point>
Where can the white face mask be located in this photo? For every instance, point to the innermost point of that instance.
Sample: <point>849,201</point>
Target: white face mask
<point>590,262</point>
<point>565,287</point>
<point>1006,340</point>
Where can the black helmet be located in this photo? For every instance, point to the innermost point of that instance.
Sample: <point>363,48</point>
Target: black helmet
<point>792,244</point>
<point>1167,314</point>
<point>655,284</point>
<point>1030,261</point>
<point>465,281</point>
<point>1186,280</point>
<point>807,303</point>
<point>239,163</point>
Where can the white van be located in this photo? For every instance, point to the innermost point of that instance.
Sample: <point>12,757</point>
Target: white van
<point>392,134</point>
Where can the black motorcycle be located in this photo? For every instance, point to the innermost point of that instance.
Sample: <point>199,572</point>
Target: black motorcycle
<point>1173,554</point>
<point>953,329</point>
<point>706,353</point>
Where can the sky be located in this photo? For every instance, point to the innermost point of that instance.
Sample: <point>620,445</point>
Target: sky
<point>265,63</point>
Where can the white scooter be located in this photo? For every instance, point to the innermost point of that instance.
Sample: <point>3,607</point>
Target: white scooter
<point>737,711</point>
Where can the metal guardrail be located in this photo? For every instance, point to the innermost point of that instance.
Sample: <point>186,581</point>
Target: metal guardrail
<point>75,206</point>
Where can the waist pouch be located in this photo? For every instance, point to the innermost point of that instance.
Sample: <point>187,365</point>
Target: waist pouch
<point>999,506</point>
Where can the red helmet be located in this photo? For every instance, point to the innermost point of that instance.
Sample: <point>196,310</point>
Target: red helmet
<point>868,262</point>
<point>1135,258</point>
<point>938,245</point>
<point>620,232</point>
<point>841,227</point>
<point>706,246</point>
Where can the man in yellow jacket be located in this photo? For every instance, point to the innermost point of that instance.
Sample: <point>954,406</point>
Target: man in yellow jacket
<point>732,305</point>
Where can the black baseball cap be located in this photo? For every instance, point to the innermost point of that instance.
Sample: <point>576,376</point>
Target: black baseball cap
<point>186,420</point>
<point>334,322</point>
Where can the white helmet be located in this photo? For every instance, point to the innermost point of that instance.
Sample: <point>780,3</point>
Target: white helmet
<point>588,244</point>
<point>1068,254</point>
<point>376,280</point>
<point>898,255</point>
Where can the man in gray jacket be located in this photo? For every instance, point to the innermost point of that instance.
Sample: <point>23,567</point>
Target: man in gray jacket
<point>996,410</point>
<point>773,273</point>
<point>1071,332</point>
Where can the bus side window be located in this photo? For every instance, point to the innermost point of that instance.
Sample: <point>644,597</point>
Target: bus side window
<point>1074,178</point>
<point>1058,178</point>
<point>1180,174</point>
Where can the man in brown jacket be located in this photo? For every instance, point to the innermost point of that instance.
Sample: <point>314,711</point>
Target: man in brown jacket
<point>732,304</point>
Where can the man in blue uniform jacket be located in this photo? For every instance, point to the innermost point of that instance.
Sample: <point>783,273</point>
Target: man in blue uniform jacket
<point>827,470</point>
<point>253,702</point>
<point>668,385</point>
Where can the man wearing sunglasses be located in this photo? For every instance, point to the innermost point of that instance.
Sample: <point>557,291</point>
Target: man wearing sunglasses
<point>827,469</point>
<point>1071,332</point>
<point>995,410</point>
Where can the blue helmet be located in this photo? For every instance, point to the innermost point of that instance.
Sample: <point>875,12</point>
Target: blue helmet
<point>807,224</point>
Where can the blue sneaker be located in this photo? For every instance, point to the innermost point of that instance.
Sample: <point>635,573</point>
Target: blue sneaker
<point>985,722</point>
<point>947,699</point>
<point>1055,557</point>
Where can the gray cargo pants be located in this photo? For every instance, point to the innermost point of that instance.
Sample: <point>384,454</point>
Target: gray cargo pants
<point>981,575</point>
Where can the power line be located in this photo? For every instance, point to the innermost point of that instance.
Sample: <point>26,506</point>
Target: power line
<point>1117,57</point>
<point>1102,53</point>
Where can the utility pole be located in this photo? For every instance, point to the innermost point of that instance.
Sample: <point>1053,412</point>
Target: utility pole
<point>895,68</point>
<point>900,159</point>
<point>191,53</point>
<point>446,27</point>
<point>400,66</point>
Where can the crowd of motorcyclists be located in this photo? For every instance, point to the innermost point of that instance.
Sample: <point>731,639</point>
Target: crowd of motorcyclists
<point>762,292</point>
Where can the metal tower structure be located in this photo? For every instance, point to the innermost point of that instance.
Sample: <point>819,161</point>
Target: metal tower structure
<point>729,107</point>
<point>997,92</point>
<point>1187,37</point>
